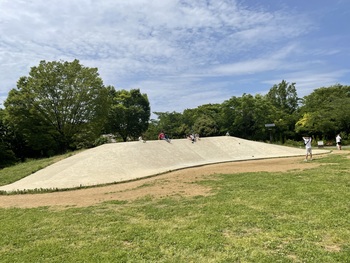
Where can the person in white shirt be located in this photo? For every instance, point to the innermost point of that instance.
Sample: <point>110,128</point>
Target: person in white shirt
<point>338,140</point>
<point>307,142</point>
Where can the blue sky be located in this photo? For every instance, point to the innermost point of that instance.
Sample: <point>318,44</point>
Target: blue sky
<point>182,53</point>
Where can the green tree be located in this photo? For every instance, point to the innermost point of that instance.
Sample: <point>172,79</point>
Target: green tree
<point>230,110</point>
<point>203,120</point>
<point>283,97</point>
<point>246,116</point>
<point>325,112</point>
<point>7,156</point>
<point>205,126</point>
<point>241,110</point>
<point>59,106</point>
<point>172,123</point>
<point>152,131</point>
<point>129,113</point>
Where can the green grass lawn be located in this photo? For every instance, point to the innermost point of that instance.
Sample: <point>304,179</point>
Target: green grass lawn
<point>296,216</point>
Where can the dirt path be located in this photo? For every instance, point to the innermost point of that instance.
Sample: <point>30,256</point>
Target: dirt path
<point>179,182</point>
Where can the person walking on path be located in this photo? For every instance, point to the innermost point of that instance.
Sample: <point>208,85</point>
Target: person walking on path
<point>307,142</point>
<point>338,140</point>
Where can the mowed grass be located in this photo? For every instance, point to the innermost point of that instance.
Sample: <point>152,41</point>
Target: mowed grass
<point>295,216</point>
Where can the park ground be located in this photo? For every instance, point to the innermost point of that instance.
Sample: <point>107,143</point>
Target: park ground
<point>177,183</point>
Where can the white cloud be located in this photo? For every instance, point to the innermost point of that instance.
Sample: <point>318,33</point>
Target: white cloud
<point>267,62</point>
<point>308,81</point>
<point>179,45</point>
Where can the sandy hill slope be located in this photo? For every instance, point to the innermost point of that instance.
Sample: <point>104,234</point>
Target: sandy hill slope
<point>117,162</point>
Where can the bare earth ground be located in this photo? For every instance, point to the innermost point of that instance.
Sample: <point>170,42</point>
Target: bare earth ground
<point>176,183</point>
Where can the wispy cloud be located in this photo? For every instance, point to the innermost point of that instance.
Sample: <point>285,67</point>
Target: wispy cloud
<point>307,81</point>
<point>177,44</point>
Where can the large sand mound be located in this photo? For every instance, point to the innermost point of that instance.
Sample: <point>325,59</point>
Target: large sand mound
<point>119,162</point>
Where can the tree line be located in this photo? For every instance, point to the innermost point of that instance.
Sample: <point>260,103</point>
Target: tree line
<point>322,114</point>
<point>62,106</point>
